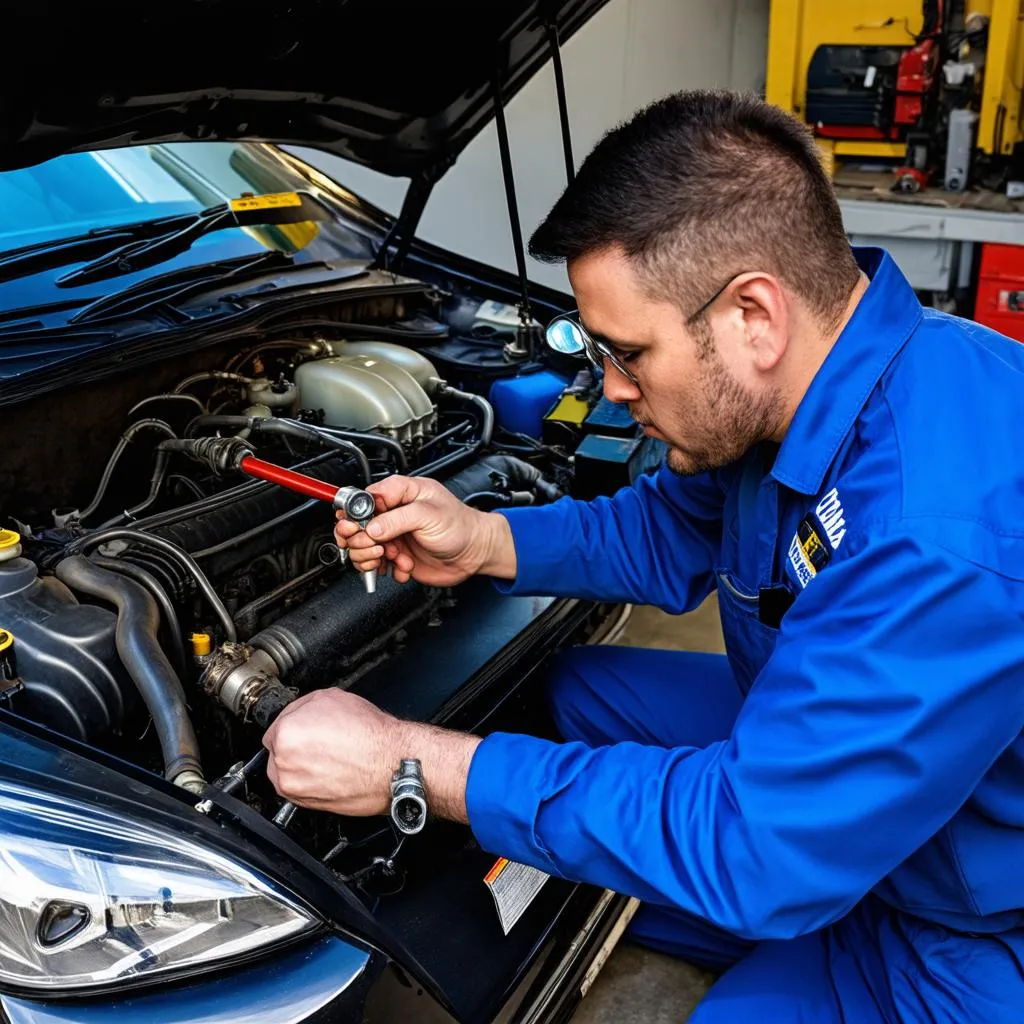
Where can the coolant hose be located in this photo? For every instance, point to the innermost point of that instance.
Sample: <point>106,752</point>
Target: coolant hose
<point>136,638</point>
<point>485,407</point>
<point>152,584</point>
<point>182,557</point>
<point>519,475</point>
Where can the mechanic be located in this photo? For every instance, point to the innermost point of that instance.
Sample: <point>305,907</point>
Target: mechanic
<point>832,814</point>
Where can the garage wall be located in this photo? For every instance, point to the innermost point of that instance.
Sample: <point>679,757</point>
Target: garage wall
<point>631,52</point>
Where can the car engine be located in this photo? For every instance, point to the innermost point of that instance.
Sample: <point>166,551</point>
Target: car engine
<point>158,603</point>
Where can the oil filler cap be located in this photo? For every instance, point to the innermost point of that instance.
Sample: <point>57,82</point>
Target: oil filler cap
<point>10,544</point>
<point>8,666</point>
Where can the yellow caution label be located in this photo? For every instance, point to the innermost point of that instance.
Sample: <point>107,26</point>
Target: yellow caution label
<point>269,201</point>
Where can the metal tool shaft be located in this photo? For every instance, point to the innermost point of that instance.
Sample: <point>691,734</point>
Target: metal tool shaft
<point>357,504</point>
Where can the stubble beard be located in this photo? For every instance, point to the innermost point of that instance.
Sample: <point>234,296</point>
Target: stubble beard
<point>736,419</point>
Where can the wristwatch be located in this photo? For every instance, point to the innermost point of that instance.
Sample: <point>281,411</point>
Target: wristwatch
<point>408,797</point>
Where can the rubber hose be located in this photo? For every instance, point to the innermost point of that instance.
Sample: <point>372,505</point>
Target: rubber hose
<point>290,428</point>
<point>521,476</point>
<point>152,584</point>
<point>183,558</point>
<point>387,443</point>
<point>143,658</point>
<point>485,407</point>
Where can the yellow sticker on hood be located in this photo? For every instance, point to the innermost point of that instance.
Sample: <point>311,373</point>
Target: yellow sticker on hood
<point>270,201</point>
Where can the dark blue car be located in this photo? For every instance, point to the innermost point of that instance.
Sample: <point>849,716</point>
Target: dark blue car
<point>184,303</point>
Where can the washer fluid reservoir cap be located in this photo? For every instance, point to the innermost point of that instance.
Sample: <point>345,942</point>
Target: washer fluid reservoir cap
<point>10,544</point>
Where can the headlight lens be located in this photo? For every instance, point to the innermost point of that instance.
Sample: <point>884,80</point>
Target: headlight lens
<point>87,898</point>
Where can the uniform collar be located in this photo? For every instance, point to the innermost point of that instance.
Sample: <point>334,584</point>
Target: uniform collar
<point>884,319</point>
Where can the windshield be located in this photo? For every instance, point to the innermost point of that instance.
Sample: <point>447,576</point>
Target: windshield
<point>72,194</point>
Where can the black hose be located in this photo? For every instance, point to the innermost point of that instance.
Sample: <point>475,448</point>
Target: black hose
<point>289,428</point>
<point>145,661</point>
<point>494,497</point>
<point>224,499</point>
<point>155,485</point>
<point>152,584</point>
<point>122,444</point>
<point>196,378</point>
<point>183,558</point>
<point>515,474</point>
<point>393,446</point>
<point>167,396</point>
<point>256,531</point>
<point>485,407</point>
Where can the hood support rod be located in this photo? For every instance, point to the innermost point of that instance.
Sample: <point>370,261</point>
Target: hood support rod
<point>563,107</point>
<point>404,228</point>
<point>524,339</point>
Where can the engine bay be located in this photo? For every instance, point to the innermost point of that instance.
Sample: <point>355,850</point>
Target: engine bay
<point>159,604</point>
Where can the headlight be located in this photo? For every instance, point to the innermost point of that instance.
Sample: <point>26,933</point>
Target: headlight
<point>87,899</point>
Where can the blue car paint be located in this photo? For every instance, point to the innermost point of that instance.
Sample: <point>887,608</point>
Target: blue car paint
<point>284,990</point>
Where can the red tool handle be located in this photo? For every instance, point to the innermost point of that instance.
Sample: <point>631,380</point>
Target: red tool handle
<point>287,478</point>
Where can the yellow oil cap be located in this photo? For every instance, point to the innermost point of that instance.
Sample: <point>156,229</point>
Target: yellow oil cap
<point>9,539</point>
<point>200,644</point>
<point>6,640</point>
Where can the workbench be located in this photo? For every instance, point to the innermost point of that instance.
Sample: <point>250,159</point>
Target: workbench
<point>933,235</point>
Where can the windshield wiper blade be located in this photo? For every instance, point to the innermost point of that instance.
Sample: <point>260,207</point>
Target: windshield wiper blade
<point>286,208</point>
<point>178,284</point>
<point>34,259</point>
<point>142,253</point>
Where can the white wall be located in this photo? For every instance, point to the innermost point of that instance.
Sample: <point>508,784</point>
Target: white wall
<point>630,53</point>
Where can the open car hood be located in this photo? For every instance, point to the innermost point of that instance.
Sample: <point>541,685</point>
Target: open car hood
<point>397,85</point>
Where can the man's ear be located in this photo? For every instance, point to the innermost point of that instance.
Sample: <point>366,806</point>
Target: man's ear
<point>764,306</point>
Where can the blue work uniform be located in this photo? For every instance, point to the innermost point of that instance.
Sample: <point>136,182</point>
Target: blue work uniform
<point>833,812</point>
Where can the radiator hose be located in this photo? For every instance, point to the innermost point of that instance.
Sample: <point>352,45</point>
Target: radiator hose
<point>501,477</point>
<point>138,619</point>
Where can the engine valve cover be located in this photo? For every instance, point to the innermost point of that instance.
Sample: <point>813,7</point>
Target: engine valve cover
<point>366,392</point>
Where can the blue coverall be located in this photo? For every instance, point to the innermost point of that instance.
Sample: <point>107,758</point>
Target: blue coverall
<point>833,812</point>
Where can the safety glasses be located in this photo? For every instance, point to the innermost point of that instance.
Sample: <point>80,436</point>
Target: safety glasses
<point>567,335</point>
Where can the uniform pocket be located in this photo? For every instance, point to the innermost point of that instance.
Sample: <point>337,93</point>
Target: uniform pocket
<point>735,589</point>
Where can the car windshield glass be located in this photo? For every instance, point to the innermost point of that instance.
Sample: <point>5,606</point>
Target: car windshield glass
<point>79,192</point>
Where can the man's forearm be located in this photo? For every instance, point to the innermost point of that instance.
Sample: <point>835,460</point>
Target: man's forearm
<point>499,555</point>
<point>444,756</point>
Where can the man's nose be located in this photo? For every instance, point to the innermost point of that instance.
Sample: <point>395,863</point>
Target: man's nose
<point>618,387</point>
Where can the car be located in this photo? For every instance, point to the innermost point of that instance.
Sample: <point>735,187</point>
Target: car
<point>207,345</point>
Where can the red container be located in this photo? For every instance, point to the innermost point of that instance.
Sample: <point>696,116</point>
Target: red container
<point>1000,302</point>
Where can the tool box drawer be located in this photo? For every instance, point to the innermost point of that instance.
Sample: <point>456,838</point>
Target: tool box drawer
<point>1000,302</point>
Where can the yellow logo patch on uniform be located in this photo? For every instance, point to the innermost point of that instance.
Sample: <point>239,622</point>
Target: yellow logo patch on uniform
<point>808,551</point>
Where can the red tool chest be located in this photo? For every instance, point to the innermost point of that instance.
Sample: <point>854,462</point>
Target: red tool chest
<point>1000,302</point>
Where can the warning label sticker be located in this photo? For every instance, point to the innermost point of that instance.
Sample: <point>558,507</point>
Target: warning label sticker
<point>513,887</point>
<point>269,201</point>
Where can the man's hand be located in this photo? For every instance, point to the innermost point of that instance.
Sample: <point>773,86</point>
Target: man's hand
<point>428,535</point>
<point>334,751</point>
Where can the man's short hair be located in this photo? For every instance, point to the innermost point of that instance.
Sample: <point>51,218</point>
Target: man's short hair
<point>701,186</point>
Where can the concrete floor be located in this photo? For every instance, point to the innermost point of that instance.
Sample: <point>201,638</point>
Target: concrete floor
<point>638,985</point>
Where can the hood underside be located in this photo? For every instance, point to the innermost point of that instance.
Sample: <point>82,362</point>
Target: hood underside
<point>397,85</point>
